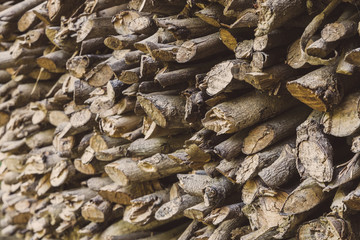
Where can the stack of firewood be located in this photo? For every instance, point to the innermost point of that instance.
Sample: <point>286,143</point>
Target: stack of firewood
<point>175,119</point>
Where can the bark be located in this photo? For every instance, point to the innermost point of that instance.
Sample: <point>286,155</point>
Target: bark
<point>213,15</point>
<point>162,6</point>
<point>225,228</point>
<point>219,215</point>
<point>253,164</point>
<point>274,130</point>
<point>275,39</point>
<point>246,18</point>
<point>231,148</point>
<point>235,115</point>
<point>117,125</point>
<point>314,150</point>
<point>228,168</point>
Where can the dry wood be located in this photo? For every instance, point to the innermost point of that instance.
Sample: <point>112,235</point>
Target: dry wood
<point>314,150</point>
<point>228,168</point>
<point>231,147</point>
<point>235,115</point>
<point>274,130</point>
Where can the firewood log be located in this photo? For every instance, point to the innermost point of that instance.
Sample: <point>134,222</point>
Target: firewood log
<point>221,118</point>
<point>314,150</point>
<point>160,6</point>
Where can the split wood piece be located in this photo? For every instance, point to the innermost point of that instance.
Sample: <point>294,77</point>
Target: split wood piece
<point>41,163</point>
<point>83,118</point>
<point>220,79</point>
<point>151,130</point>
<point>198,48</point>
<point>353,57</point>
<point>142,209</point>
<point>114,90</point>
<point>351,200</point>
<point>112,153</point>
<point>275,39</point>
<point>147,147</point>
<point>158,107</point>
<point>79,65</point>
<point>244,50</point>
<point>228,168</point>
<point>55,61</point>
<point>40,139</point>
<point>213,15</point>
<point>328,227</point>
<point>349,172</point>
<point>239,70</point>
<point>344,119</point>
<point>194,184</point>
<point>343,66</point>
<point>234,7</point>
<point>282,170</point>
<point>132,22</point>
<point>149,67</point>
<point>320,89</point>
<point>119,42</point>
<point>198,212</point>
<point>274,130</point>
<point>314,150</point>
<point>273,14</point>
<point>219,215</point>
<point>294,58</point>
<point>321,49</point>
<point>187,28</point>
<point>253,164</point>
<point>247,18</point>
<point>29,19</point>
<point>261,60</point>
<point>336,31</point>
<point>9,16</point>
<point>215,194</point>
<point>190,230</point>
<point>96,183</point>
<point>162,52</point>
<point>117,125</point>
<point>223,231</point>
<point>176,207</point>
<point>123,195</point>
<point>65,8</point>
<point>161,36</point>
<point>231,147</point>
<point>162,165</point>
<point>102,73</point>
<point>235,115</point>
<point>311,193</point>
<point>100,142</point>
<point>270,78</point>
<point>62,173</point>
<point>96,209</point>
<point>89,166</point>
<point>160,6</point>
<point>130,76</point>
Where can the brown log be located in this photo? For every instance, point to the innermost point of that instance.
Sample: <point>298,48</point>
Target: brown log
<point>198,48</point>
<point>219,215</point>
<point>252,164</point>
<point>132,22</point>
<point>246,18</point>
<point>274,39</point>
<point>55,61</point>
<point>213,15</point>
<point>225,228</point>
<point>231,147</point>
<point>117,125</point>
<point>79,65</point>
<point>159,6</point>
<point>274,130</point>
<point>314,150</point>
<point>221,118</point>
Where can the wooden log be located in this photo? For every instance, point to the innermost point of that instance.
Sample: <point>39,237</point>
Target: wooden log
<point>176,206</point>
<point>225,228</point>
<point>153,105</point>
<point>190,230</point>
<point>62,173</point>
<point>112,153</point>
<point>308,90</point>
<point>231,147</point>
<point>142,209</point>
<point>252,164</point>
<point>187,28</point>
<point>102,142</point>
<point>58,8</point>
<point>320,48</point>
<point>219,215</point>
<point>162,6</point>
<point>344,120</point>
<point>213,15</point>
<point>79,65</point>
<point>117,125</point>
<point>273,14</point>
<point>161,36</point>
<point>55,61</point>
<point>244,49</point>
<point>282,170</point>
<point>196,49</point>
<point>221,118</point>
<point>220,79</point>
<point>314,150</point>
<point>215,194</point>
<point>339,30</point>
<point>123,195</point>
<point>129,22</point>
<point>274,130</point>
<point>246,18</point>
